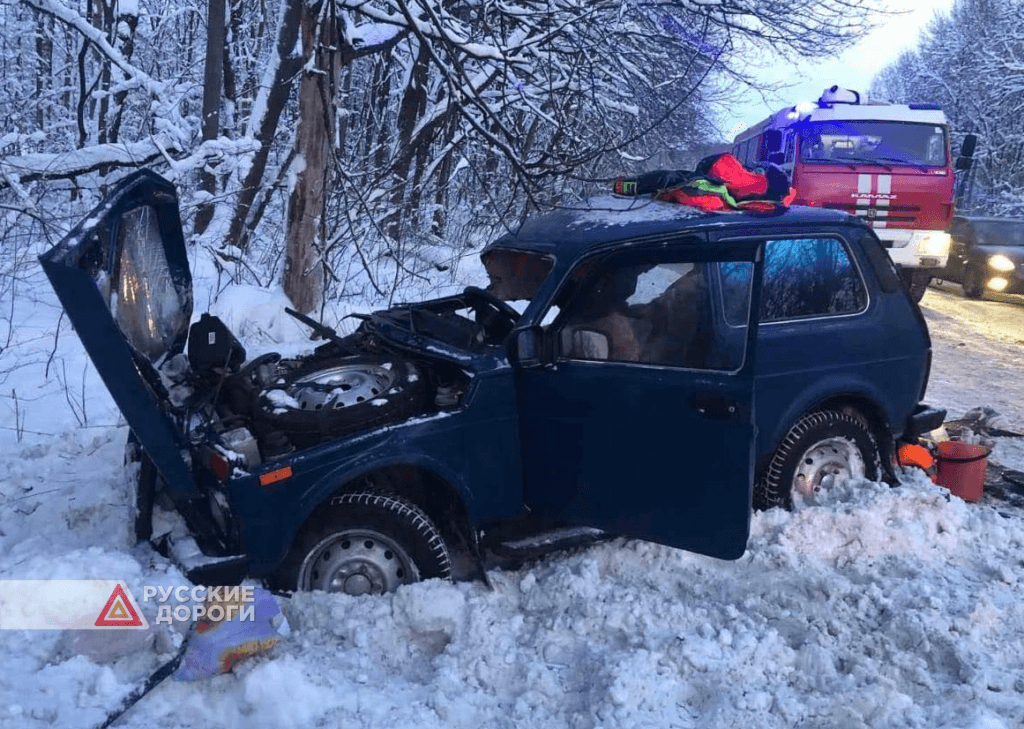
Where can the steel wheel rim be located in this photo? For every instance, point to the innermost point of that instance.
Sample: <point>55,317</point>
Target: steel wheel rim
<point>825,463</point>
<point>357,562</point>
<point>341,386</point>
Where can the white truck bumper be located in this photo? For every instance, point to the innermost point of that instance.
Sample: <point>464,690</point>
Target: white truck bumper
<point>916,248</point>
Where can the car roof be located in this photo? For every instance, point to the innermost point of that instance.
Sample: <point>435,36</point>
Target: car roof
<point>609,218</point>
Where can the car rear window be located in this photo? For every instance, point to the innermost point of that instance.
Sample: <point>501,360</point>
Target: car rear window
<point>803,278</point>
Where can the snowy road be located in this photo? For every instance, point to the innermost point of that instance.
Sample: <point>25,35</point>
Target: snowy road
<point>978,359</point>
<point>874,607</point>
<point>999,316</point>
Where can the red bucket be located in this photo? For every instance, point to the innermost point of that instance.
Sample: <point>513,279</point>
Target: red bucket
<point>962,468</point>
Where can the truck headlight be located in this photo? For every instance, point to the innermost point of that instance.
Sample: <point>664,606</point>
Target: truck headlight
<point>935,243</point>
<point>999,262</point>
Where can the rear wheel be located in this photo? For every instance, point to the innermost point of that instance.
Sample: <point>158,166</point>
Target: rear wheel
<point>818,451</point>
<point>974,283</point>
<point>366,543</point>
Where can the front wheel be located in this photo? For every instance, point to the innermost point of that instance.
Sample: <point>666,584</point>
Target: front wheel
<point>820,449</point>
<point>143,480</point>
<point>974,284</point>
<point>916,282</point>
<point>366,543</point>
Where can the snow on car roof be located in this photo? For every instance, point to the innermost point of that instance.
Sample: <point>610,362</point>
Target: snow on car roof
<point>609,218</point>
<point>612,210</point>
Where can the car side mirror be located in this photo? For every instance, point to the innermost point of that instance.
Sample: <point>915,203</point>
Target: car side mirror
<point>526,347</point>
<point>966,158</point>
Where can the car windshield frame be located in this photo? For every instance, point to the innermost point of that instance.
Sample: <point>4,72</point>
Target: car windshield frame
<point>873,142</point>
<point>509,281</point>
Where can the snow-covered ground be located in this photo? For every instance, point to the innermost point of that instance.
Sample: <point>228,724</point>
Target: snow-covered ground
<point>873,607</point>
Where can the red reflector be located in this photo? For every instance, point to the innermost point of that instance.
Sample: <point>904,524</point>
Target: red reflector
<point>274,476</point>
<point>220,466</point>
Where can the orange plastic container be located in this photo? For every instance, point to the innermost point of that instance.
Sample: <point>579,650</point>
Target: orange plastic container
<point>962,468</point>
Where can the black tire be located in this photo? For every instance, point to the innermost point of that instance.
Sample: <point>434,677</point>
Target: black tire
<point>392,390</point>
<point>974,284</point>
<point>818,447</point>
<point>144,476</point>
<point>916,282</point>
<point>366,542</point>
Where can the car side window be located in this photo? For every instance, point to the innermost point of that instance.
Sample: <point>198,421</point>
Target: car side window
<point>649,311</point>
<point>803,277</point>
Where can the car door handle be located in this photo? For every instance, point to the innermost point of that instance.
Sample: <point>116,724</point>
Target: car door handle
<point>715,405</point>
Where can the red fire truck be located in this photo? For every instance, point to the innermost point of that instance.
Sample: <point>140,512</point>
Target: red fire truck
<point>888,163</point>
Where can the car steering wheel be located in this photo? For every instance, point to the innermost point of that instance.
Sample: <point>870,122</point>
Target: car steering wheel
<point>492,313</point>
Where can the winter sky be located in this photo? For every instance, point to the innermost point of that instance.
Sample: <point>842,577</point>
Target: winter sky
<point>853,69</point>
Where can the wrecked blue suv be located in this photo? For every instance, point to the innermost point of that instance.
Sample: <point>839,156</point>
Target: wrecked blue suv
<point>669,370</point>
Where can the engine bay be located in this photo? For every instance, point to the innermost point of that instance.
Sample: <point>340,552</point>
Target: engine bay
<point>249,413</point>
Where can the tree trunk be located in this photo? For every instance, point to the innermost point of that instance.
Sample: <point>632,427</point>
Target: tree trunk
<point>213,83</point>
<point>414,99</point>
<point>104,21</point>
<point>124,26</point>
<point>44,60</point>
<point>288,64</point>
<point>304,237</point>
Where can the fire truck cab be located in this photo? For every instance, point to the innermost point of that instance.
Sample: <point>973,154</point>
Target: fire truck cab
<point>887,163</point>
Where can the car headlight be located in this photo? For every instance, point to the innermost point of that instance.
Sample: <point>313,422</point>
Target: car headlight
<point>999,262</point>
<point>934,244</point>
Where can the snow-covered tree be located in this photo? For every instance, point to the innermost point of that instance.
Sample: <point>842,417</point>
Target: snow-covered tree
<point>971,61</point>
<point>384,135</point>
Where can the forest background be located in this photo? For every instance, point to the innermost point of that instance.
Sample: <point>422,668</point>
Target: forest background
<point>363,148</point>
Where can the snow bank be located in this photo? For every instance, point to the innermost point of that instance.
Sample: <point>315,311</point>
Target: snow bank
<point>865,607</point>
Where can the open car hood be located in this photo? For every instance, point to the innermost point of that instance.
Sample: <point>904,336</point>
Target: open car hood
<point>122,276</point>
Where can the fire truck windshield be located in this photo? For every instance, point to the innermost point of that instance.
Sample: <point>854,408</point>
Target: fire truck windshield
<point>886,143</point>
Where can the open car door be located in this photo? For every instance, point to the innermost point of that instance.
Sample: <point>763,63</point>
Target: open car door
<point>122,276</point>
<point>638,419</point>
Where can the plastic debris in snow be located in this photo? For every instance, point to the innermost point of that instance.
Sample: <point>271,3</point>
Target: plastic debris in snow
<point>982,421</point>
<point>216,646</point>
